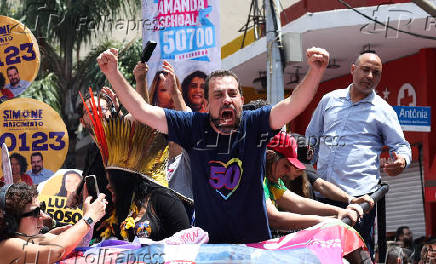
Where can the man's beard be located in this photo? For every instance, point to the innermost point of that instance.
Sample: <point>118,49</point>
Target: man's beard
<point>14,81</point>
<point>37,170</point>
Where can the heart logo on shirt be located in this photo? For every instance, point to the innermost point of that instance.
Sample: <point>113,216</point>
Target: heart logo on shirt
<point>225,177</point>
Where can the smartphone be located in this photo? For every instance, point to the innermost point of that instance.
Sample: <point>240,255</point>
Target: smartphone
<point>92,187</point>
<point>148,50</point>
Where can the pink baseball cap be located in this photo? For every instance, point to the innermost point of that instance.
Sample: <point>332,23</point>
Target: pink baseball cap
<point>286,145</point>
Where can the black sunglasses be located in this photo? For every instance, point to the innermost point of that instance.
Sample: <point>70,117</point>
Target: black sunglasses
<point>35,212</point>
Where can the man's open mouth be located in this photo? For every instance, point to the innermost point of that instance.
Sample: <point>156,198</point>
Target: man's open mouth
<point>227,117</point>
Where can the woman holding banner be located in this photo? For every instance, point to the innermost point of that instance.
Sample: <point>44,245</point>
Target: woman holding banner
<point>21,220</point>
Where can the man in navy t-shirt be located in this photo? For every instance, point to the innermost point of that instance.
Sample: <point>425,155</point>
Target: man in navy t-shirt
<point>227,173</point>
<point>226,145</point>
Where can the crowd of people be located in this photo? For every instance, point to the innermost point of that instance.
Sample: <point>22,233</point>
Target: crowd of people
<point>403,249</point>
<point>231,172</point>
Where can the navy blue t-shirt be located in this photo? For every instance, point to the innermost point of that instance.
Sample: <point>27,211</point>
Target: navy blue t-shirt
<point>227,173</point>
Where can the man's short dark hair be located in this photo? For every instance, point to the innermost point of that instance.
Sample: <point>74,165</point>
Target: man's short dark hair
<point>12,67</point>
<point>220,73</point>
<point>367,51</point>
<point>34,154</point>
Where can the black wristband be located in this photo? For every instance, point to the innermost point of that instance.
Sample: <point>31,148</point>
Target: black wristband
<point>88,220</point>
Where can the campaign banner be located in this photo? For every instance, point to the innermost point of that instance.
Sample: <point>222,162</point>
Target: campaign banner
<point>19,58</point>
<point>33,130</point>
<point>325,243</point>
<point>57,193</point>
<point>187,33</point>
<point>414,118</point>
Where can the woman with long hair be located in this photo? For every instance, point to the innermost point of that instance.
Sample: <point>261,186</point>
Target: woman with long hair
<point>165,90</point>
<point>70,182</point>
<point>21,221</point>
<point>286,210</point>
<point>193,91</point>
<point>297,181</point>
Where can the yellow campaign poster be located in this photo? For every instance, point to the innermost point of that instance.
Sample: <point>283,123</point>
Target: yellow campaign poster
<point>57,193</point>
<point>19,58</point>
<point>36,137</point>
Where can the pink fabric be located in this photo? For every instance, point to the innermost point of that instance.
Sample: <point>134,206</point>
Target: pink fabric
<point>193,235</point>
<point>330,241</point>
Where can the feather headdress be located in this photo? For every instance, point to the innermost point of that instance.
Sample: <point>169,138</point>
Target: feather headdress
<point>129,146</point>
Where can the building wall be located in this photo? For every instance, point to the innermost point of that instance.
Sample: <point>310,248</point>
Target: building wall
<point>234,14</point>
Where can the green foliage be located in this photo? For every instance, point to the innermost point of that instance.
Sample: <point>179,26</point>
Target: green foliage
<point>46,90</point>
<point>88,72</point>
<point>68,20</point>
<point>129,56</point>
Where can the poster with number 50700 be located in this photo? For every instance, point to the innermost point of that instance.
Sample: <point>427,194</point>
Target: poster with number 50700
<point>187,33</point>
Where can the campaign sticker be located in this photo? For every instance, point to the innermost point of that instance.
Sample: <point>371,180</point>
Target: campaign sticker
<point>57,193</point>
<point>19,58</point>
<point>32,128</point>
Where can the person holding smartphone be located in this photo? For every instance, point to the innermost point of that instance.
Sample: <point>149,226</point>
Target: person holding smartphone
<point>21,221</point>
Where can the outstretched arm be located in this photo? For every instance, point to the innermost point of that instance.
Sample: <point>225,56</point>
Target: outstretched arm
<point>292,202</point>
<point>333,192</point>
<point>140,73</point>
<point>53,248</point>
<point>171,83</point>
<point>153,116</point>
<point>280,220</point>
<point>287,109</point>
